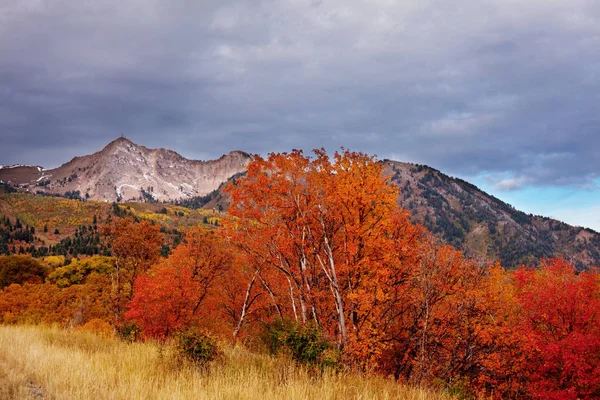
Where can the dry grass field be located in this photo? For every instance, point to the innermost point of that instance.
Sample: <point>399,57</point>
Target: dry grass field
<point>47,363</point>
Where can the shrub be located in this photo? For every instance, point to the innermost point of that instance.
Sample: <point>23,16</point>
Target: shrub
<point>129,331</point>
<point>19,270</point>
<point>78,270</point>
<point>305,344</point>
<point>457,388</point>
<point>99,327</point>
<point>197,347</point>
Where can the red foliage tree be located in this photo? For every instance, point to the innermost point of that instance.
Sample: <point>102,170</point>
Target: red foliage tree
<point>561,322</point>
<point>180,290</point>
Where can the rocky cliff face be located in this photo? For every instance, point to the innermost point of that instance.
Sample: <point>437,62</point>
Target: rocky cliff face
<point>125,171</point>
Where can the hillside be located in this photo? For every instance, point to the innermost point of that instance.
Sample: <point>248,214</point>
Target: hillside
<point>45,225</point>
<point>483,226</point>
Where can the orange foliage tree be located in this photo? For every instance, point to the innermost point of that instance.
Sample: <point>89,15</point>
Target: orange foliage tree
<point>450,323</point>
<point>20,269</point>
<point>135,246</point>
<point>326,240</point>
<point>47,303</point>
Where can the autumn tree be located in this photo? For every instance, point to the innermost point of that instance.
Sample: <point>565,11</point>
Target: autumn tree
<point>77,270</point>
<point>329,246</point>
<point>323,236</point>
<point>30,303</point>
<point>561,323</point>
<point>136,247</point>
<point>20,269</point>
<point>181,290</point>
<point>47,303</point>
<point>493,347</point>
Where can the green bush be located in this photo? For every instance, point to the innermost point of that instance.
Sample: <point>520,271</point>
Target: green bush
<point>197,347</point>
<point>458,388</point>
<point>129,331</point>
<point>305,344</point>
<point>78,270</point>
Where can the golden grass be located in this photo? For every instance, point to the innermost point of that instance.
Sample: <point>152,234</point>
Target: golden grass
<point>79,365</point>
<point>13,383</point>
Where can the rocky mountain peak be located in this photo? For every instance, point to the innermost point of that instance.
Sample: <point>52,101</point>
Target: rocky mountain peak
<point>124,170</point>
<point>120,141</point>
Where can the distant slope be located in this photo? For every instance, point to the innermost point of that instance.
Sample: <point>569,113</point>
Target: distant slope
<point>21,174</point>
<point>125,171</point>
<point>43,225</point>
<point>483,226</point>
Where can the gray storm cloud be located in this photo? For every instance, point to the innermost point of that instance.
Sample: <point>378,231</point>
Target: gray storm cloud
<point>505,88</point>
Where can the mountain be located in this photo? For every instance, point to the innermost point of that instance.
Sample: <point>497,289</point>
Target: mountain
<point>456,211</point>
<point>483,226</point>
<point>125,171</point>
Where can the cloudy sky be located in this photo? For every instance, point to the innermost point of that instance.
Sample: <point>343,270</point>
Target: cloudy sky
<point>504,93</point>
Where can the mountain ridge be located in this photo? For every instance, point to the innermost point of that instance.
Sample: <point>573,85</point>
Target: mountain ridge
<point>126,171</point>
<point>483,226</point>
